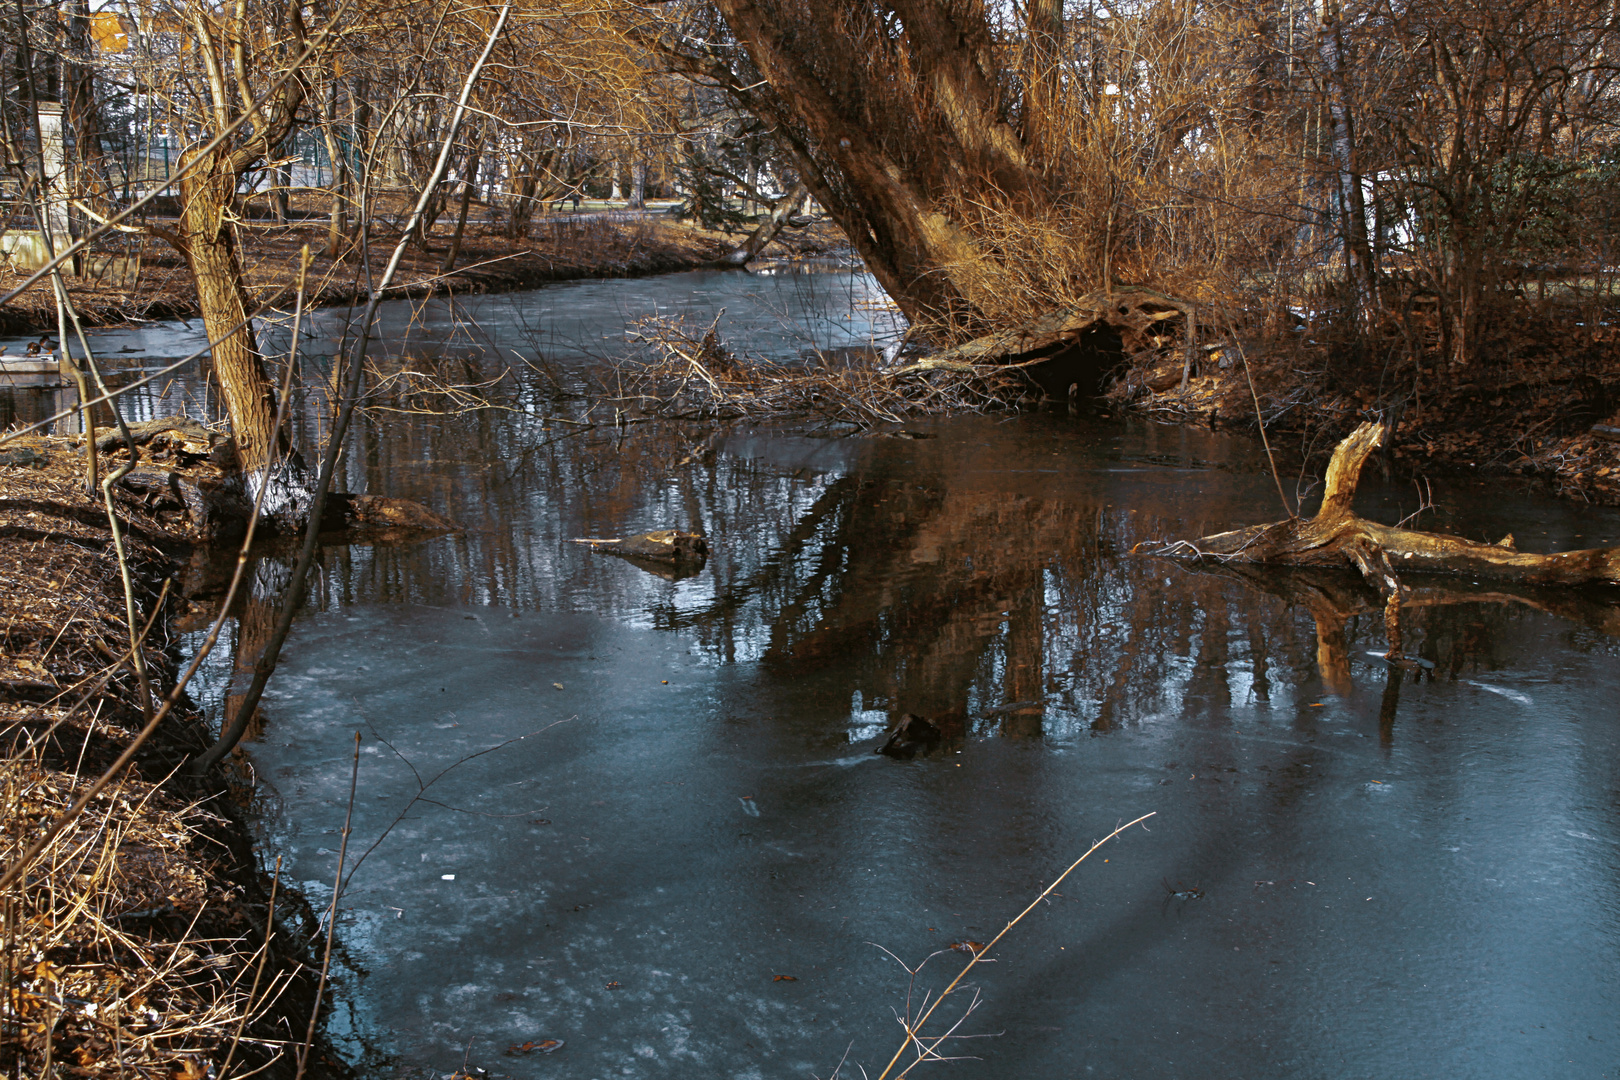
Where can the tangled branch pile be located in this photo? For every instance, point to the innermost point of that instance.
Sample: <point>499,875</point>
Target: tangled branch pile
<point>692,374</point>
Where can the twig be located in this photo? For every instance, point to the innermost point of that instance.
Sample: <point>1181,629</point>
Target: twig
<point>264,954</point>
<point>331,918</point>
<point>913,1030</point>
<point>1260,421</point>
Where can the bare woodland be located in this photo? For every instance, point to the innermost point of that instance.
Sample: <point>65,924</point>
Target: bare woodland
<point>1396,177</point>
<point>1412,202</point>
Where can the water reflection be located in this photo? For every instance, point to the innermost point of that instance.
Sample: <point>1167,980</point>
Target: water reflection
<point>975,579</point>
<point>982,579</point>
<point>1402,872</point>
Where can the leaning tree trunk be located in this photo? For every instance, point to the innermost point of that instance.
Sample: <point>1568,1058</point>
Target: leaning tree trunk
<point>768,229</point>
<point>209,244</point>
<point>889,146</point>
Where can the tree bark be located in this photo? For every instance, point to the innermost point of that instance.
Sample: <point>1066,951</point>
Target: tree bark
<point>768,229</point>
<point>1043,78</point>
<point>886,135</point>
<point>209,244</point>
<point>79,106</point>
<point>468,186</point>
<point>638,177</point>
<point>337,230</point>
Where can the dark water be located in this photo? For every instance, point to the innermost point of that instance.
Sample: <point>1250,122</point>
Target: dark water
<point>1409,878</point>
<point>1352,871</point>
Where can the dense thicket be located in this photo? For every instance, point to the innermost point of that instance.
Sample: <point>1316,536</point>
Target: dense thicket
<point>991,161</point>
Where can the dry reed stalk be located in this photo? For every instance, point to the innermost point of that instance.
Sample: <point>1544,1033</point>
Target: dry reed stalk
<point>83,986</point>
<point>927,1047</point>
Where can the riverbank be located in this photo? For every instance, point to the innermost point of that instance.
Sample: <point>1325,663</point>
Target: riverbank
<point>1543,408</point>
<point>136,945</point>
<point>560,247</point>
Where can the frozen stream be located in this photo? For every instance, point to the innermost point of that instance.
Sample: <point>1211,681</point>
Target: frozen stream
<point>1353,872</point>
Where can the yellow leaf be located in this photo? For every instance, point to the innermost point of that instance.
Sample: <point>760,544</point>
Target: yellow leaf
<point>189,1070</point>
<point>108,30</point>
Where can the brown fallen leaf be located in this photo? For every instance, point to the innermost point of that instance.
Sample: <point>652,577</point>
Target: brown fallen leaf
<point>784,978</point>
<point>610,986</point>
<point>534,1046</point>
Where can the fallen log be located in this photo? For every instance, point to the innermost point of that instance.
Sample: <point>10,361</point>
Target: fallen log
<point>1383,554</point>
<point>671,546</point>
<point>182,432</point>
<point>1079,346</point>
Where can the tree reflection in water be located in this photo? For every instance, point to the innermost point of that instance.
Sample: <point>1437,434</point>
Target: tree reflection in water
<point>983,580</point>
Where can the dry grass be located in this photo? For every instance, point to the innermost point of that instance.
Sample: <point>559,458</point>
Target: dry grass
<point>130,947</point>
<point>93,981</point>
<point>689,373</point>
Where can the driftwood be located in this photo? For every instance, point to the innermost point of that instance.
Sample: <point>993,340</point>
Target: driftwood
<point>1385,553</point>
<point>375,517</point>
<point>666,548</point>
<point>183,433</point>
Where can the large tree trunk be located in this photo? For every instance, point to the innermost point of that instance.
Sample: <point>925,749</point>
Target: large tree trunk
<point>1043,76</point>
<point>890,130</point>
<point>208,241</point>
<point>79,105</point>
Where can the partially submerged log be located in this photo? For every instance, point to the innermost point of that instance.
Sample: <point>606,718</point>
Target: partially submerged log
<point>1384,553</point>
<point>669,547</point>
<point>377,516</point>
<point>182,434</point>
<point>910,736</point>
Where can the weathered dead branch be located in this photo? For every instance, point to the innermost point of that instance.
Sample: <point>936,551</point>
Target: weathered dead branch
<point>1142,318</point>
<point>1384,553</point>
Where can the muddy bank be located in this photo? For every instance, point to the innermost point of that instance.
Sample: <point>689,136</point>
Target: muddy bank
<point>1542,407</point>
<point>562,247</point>
<point>136,945</point>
